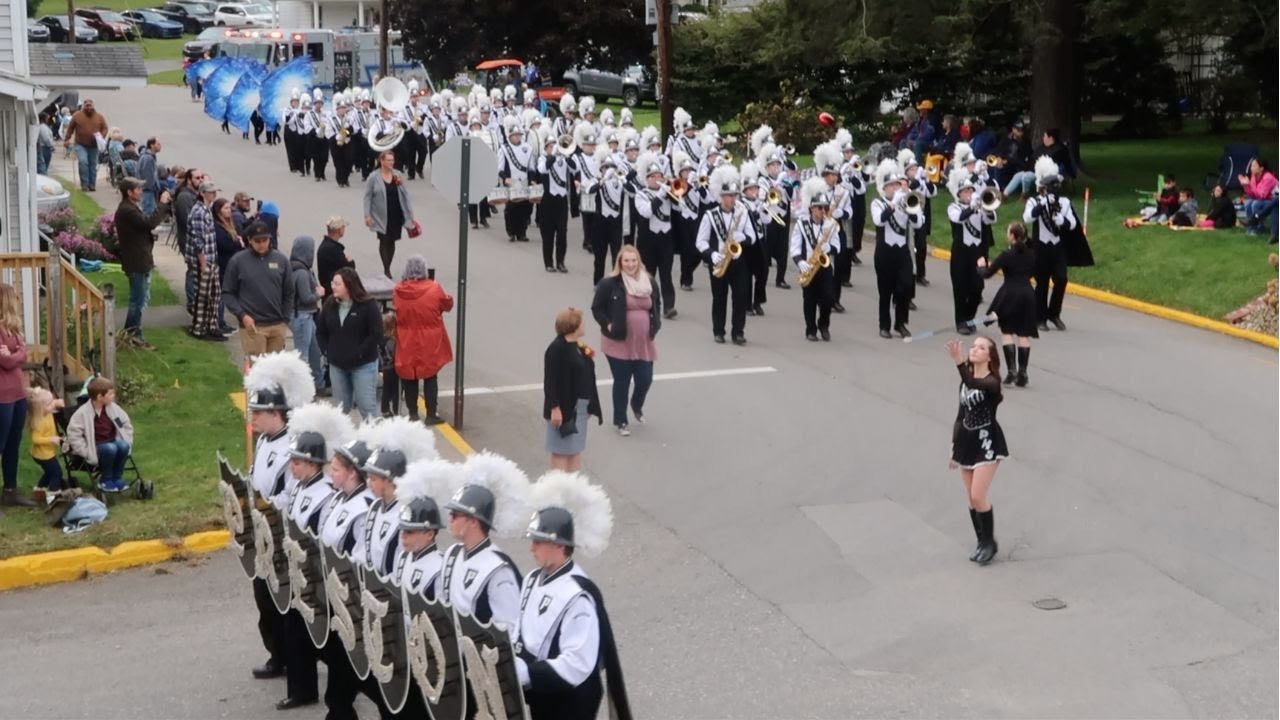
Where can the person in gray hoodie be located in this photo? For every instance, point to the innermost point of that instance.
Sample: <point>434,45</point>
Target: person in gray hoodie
<point>307,294</point>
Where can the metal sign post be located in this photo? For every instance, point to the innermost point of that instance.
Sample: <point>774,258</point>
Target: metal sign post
<point>464,199</point>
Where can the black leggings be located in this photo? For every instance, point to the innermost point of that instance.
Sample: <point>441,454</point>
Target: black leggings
<point>387,251</point>
<point>430,393</point>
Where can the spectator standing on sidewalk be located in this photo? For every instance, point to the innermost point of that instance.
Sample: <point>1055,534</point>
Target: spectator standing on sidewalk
<point>82,134</point>
<point>422,347</point>
<point>307,294</point>
<point>202,255</point>
<point>135,229</point>
<point>186,197</point>
<point>13,393</point>
<point>259,292</point>
<point>149,171</point>
<point>332,255</point>
<point>44,145</point>
<point>242,213</point>
<point>350,333</point>
<point>228,237</point>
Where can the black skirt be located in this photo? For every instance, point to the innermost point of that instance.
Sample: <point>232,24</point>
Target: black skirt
<point>979,447</point>
<point>1015,306</point>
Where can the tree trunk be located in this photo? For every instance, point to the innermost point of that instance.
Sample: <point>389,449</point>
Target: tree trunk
<point>1055,74</point>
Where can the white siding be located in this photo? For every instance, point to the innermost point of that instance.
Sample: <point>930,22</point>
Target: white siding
<point>298,13</point>
<point>292,14</point>
<point>7,25</point>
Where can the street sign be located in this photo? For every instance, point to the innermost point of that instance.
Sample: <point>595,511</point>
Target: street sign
<point>446,170</point>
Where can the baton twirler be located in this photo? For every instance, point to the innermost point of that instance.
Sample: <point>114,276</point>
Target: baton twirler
<point>990,318</point>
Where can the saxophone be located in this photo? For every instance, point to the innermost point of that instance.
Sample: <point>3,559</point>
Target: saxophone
<point>344,133</point>
<point>732,250</point>
<point>818,258</point>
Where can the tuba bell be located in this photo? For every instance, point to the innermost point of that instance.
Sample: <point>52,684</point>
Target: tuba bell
<point>790,149</point>
<point>565,145</point>
<point>989,199</point>
<point>914,203</point>
<point>392,95</point>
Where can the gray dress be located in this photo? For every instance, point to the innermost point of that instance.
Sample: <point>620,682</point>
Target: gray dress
<point>571,444</point>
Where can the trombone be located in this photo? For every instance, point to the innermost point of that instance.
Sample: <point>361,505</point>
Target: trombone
<point>678,189</point>
<point>565,145</point>
<point>989,200</point>
<point>773,200</point>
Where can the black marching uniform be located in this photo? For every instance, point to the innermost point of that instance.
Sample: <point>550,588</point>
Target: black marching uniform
<point>553,213</point>
<point>270,466</point>
<point>920,237</point>
<point>777,239</point>
<point>685,218</point>
<point>1051,216</point>
<point>307,502</point>
<point>819,293</point>
<point>967,245</point>
<point>717,229</point>
<point>516,164</point>
<point>606,239</point>
<point>655,241</point>
<point>976,438</point>
<point>842,213</point>
<point>754,254</point>
<point>893,262</point>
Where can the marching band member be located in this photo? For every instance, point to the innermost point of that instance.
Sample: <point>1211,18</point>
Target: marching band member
<point>977,441</point>
<point>514,165</point>
<point>419,562</point>
<point>1050,216</point>
<point>479,579</point>
<point>651,141</point>
<point>777,240</point>
<point>893,256</point>
<point>477,126</point>
<point>610,199</point>
<point>626,119</point>
<point>684,137</point>
<point>687,216</point>
<point>553,213</point>
<point>757,218</point>
<point>606,121</point>
<point>918,182</point>
<point>314,430</point>
<point>397,442</point>
<point>828,159</point>
<point>565,638</point>
<point>289,121</point>
<point>359,117</point>
<point>583,164</point>
<point>321,131</point>
<point>410,118</point>
<point>274,384</point>
<point>629,139</point>
<point>340,139</point>
<point>531,99</point>
<point>307,120</point>
<point>587,108</point>
<point>968,218</point>
<point>656,246</point>
<point>720,229</point>
<point>568,120</point>
<point>457,127</point>
<point>854,175</point>
<point>816,231</point>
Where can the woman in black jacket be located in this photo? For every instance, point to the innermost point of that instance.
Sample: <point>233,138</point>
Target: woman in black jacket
<point>569,392</point>
<point>628,308</point>
<point>229,243</point>
<point>350,330</point>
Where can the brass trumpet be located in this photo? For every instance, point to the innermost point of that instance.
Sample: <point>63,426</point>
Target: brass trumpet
<point>990,199</point>
<point>704,181</point>
<point>726,157</point>
<point>856,166</point>
<point>679,188</point>
<point>789,148</point>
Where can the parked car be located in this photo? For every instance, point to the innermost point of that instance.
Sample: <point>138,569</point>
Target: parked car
<point>206,42</point>
<point>153,25</point>
<point>50,195</point>
<point>194,16</point>
<point>36,32</point>
<point>110,25</point>
<point>602,85</point>
<point>59,31</point>
<point>243,15</point>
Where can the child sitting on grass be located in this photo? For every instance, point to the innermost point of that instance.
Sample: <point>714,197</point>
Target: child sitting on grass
<point>101,434</point>
<point>45,442</point>
<point>1187,209</point>
<point>1222,214</point>
<point>387,360</point>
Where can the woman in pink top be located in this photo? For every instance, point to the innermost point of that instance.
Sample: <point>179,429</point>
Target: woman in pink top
<point>628,307</point>
<point>1259,194</point>
<point>13,393</point>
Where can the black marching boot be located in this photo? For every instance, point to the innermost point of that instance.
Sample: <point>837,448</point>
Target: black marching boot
<point>1024,356</point>
<point>1011,363</point>
<point>987,546</point>
<point>977,533</point>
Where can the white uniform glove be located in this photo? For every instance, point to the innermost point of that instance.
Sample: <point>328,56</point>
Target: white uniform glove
<point>899,197</point>
<point>803,265</point>
<point>522,671</point>
<point>716,258</point>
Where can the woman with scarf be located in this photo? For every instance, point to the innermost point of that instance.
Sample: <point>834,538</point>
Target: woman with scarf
<point>628,307</point>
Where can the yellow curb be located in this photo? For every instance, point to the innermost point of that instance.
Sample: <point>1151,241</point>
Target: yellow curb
<point>64,565</point>
<point>456,440</point>
<point>1159,311</point>
<point>237,399</point>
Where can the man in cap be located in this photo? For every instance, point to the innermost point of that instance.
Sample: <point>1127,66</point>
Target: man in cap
<point>242,211</point>
<point>921,135</point>
<point>720,226</point>
<point>136,233</point>
<point>565,639</point>
<point>259,293</point>
<point>514,166</point>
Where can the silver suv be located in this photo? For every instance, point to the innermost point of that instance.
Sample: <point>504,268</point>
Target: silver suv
<point>629,88</point>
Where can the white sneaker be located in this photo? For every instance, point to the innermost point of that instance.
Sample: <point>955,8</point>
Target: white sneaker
<point>624,431</point>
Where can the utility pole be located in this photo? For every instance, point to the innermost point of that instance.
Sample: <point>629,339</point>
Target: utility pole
<point>384,35</point>
<point>665,108</point>
<point>71,21</point>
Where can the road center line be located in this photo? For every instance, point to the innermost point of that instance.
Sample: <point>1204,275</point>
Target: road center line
<point>692,375</point>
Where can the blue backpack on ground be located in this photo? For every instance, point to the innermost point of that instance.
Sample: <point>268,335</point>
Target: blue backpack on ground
<point>83,513</point>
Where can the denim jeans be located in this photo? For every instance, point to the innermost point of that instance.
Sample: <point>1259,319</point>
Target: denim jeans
<point>1024,183</point>
<point>88,157</point>
<point>357,388</point>
<point>111,458</point>
<point>623,372</point>
<point>1255,210</point>
<point>303,326</point>
<point>52,477</point>
<point>139,296</point>
<point>13,417</point>
<point>44,155</point>
<point>148,203</point>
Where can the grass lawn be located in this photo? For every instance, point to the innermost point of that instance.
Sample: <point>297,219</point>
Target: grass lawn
<point>166,77</point>
<point>1208,273</point>
<point>177,399</point>
<point>163,48</point>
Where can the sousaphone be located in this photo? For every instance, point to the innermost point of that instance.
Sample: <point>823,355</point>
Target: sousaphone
<point>392,95</point>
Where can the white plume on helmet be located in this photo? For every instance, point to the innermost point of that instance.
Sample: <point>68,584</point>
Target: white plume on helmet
<point>647,164</point>
<point>827,157</point>
<point>844,139</point>
<point>459,105</point>
<point>627,136</point>
<point>887,171</point>
<point>604,156</point>
<point>725,180</point>
<point>530,116</point>
<point>962,154</point>
<point>510,123</point>
<point>328,420</point>
<point>414,439</point>
<point>568,104</point>
<point>749,171</point>
<point>814,192</point>
<point>530,96</point>
<point>760,137</point>
<point>435,478</point>
<point>606,117</point>
<point>959,179</point>
<point>680,160</point>
<point>625,116</point>
<point>584,133</point>
<point>473,117</point>
<point>495,94</point>
<point>587,502</point>
<point>768,153</point>
<point>587,105</point>
<point>507,482</point>
<point>296,94</point>
<point>509,92</point>
<point>681,119</point>
<point>1046,171</point>
<point>285,370</point>
<point>648,136</point>
<point>906,158</point>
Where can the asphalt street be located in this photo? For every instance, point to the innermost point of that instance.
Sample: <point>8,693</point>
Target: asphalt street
<point>789,541</point>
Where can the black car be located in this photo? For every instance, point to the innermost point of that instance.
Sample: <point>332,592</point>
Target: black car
<point>59,31</point>
<point>191,25</point>
<point>206,42</point>
<point>196,16</point>
<point>36,32</point>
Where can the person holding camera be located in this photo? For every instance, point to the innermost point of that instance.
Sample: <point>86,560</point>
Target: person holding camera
<point>422,340</point>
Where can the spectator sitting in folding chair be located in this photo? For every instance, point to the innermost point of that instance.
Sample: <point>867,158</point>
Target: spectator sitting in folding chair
<point>101,434</point>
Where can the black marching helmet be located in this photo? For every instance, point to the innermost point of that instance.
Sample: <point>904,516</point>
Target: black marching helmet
<point>553,525</point>
<point>309,446</point>
<point>421,513</point>
<point>271,398</point>
<point>475,501</point>
<point>385,462</point>
<point>357,453</point>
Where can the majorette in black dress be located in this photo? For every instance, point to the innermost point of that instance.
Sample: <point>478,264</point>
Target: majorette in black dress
<point>977,438</point>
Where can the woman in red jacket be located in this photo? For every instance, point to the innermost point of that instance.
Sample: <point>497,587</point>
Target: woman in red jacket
<point>422,342</point>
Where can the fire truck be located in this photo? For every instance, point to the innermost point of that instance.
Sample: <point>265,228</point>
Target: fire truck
<point>340,59</point>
